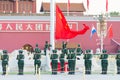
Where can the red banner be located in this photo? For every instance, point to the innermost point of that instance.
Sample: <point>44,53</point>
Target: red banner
<point>29,26</point>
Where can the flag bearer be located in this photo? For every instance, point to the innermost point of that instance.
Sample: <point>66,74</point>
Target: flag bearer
<point>20,58</point>
<point>118,62</point>
<point>5,59</point>
<point>71,61</point>
<point>37,61</point>
<point>104,62</point>
<point>88,62</point>
<point>54,61</point>
<point>62,61</point>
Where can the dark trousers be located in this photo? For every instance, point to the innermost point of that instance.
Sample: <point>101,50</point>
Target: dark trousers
<point>37,67</point>
<point>62,65</point>
<point>54,66</point>
<point>118,69</point>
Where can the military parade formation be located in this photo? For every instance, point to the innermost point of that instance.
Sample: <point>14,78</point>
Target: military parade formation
<point>66,55</point>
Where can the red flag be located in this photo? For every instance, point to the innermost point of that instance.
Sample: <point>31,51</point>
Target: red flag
<point>106,5</point>
<point>110,32</point>
<point>62,28</point>
<point>87,4</point>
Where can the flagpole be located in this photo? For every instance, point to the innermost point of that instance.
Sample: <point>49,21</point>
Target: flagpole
<point>52,24</point>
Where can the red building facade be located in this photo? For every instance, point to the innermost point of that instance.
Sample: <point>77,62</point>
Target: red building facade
<point>17,6</point>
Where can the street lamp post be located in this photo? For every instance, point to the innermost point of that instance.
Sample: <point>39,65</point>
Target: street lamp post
<point>101,28</point>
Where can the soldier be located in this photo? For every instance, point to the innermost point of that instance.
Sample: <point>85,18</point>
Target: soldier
<point>64,45</point>
<point>20,58</point>
<point>5,59</point>
<point>79,50</point>
<point>62,61</point>
<point>88,62</point>
<point>36,48</point>
<point>54,58</point>
<point>37,61</point>
<point>71,61</point>
<point>118,62</point>
<point>47,45</point>
<point>104,62</point>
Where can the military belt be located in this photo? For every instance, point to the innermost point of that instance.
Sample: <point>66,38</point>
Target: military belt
<point>54,59</point>
<point>103,59</point>
<point>21,59</point>
<point>61,58</point>
<point>71,59</point>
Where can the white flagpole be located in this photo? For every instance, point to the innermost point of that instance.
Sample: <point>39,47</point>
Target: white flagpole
<point>52,24</point>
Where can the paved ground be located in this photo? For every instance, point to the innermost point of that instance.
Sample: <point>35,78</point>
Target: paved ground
<point>61,77</point>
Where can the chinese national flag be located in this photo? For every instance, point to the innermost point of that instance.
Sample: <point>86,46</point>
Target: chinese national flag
<point>62,30</point>
<point>110,32</point>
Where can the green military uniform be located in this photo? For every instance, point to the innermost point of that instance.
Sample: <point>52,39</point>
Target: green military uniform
<point>64,47</point>
<point>36,50</point>
<point>5,59</point>
<point>79,50</point>
<point>37,61</point>
<point>62,61</point>
<point>54,61</point>
<point>118,62</point>
<point>104,62</point>
<point>46,46</point>
<point>20,58</point>
<point>71,61</point>
<point>87,62</point>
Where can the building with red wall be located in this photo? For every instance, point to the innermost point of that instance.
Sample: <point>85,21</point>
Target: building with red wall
<point>17,31</point>
<point>17,6</point>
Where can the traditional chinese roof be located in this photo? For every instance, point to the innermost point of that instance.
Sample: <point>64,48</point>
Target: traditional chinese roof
<point>74,7</point>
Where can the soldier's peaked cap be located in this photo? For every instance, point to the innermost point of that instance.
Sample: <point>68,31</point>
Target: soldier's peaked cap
<point>4,51</point>
<point>20,51</point>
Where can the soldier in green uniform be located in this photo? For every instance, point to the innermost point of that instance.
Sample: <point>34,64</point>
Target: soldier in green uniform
<point>20,58</point>
<point>62,61</point>
<point>47,46</point>
<point>104,62</point>
<point>71,61</point>
<point>118,62</point>
<point>37,61</point>
<point>88,62</point>
<point>64,45</point>
<point>5,59</point>
<point>54,61</point>
<point>79,50</point>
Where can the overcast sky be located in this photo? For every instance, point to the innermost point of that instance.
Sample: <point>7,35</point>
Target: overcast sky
<point>95,6</point>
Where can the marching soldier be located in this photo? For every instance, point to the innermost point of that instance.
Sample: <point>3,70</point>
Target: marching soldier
<point>37,61</point>
<point>79,50</point>
<point>104,62</point>
<point>62,61</point>
<point>5,59</point>
<point>54,58</point>
<point>20,58</point>
<point>71,61</point>
<point>118,62</point>
<point>88,62</point>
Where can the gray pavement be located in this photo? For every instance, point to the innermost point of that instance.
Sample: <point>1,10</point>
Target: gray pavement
<point>61,77</point>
